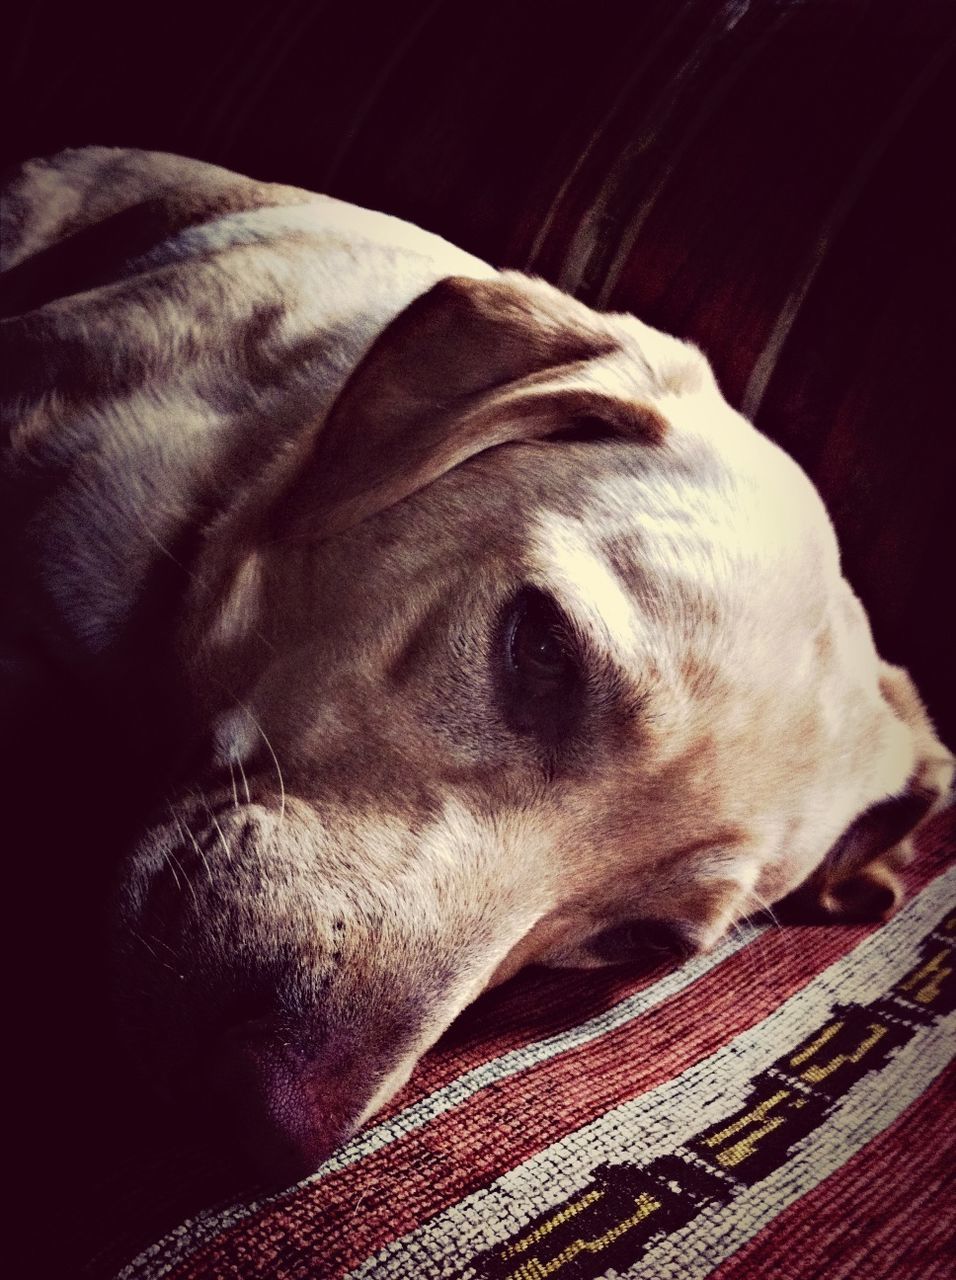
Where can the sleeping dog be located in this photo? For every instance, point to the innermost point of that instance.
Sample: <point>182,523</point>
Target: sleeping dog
<point>481,631</point>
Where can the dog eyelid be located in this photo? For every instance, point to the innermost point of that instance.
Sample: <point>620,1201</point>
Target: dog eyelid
<point>649,940</point>
<point>540,675</point>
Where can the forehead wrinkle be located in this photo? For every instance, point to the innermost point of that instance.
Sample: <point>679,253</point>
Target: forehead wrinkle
<point>588,585</point>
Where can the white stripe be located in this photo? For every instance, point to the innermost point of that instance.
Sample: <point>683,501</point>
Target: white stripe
<point>160,1258</point>
<point>697,1249</point>
<point>659,1121</point>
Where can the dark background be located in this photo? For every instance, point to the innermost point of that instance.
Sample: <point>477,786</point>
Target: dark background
<point>772,179</point>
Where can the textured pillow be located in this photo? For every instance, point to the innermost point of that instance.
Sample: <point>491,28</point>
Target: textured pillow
<point>778,1107</point>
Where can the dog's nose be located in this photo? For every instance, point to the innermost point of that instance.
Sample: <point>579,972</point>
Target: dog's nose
<point>284,1102</point>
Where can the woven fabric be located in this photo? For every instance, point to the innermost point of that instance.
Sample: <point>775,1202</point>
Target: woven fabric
<point>781,1106</point>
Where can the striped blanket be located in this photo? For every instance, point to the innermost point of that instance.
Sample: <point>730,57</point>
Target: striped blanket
<point>778,1107</point>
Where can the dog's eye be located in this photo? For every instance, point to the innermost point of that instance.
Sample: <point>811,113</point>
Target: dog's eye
<point>641,941</point>
<point>539,670</point>
<point>540,655</point>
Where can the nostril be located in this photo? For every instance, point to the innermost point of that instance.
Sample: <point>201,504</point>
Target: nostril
<point>280,1107</point>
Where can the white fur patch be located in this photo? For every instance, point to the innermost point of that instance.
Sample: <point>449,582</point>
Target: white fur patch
<point>586,584</point>
<point>234,736</point>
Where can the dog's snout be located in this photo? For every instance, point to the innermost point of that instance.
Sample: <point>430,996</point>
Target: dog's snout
<point>284,1102</point>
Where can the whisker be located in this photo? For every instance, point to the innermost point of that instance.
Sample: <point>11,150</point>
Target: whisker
<point>189,883</point>
<point>165,945</point>
<point>204,800</point>
<point>200,852</point>
<point>172,863</point>
<point>245,781</point>
<point>766,908</point>
<point>158,959</point>
<point>232,779</point>
<point>748,938</point>
<point>222,839</point>
<point>275,760</point>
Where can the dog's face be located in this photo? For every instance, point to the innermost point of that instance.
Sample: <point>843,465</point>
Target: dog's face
<point>528,648</point>
<point>552,660</point>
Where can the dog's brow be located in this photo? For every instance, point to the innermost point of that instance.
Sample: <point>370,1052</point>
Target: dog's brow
<point>587,585</point>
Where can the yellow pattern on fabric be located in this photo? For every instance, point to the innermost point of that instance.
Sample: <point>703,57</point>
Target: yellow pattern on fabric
<point>751,1117</point>
<point>936,972</point>
<point>745,1148</point>
<point>813,1075</point>
<point>535,1270</point>
<point>546,1228</point>
<point>826,1034</point>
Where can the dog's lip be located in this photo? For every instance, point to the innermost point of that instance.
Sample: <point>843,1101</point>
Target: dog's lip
<point>206,829</point>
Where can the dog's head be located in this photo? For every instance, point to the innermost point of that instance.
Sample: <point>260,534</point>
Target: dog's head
<point>535,651</point>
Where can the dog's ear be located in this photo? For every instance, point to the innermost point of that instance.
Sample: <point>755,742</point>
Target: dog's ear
<point>471,364</point>
<point>858,880</point>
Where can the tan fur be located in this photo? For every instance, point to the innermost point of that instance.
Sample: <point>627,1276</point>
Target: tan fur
<point>348,445</point>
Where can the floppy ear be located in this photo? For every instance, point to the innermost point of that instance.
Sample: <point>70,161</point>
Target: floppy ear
<point>471,364</point>
<point>858,879</point>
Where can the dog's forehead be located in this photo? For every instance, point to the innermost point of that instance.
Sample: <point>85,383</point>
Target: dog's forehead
<point>687,541</point>
<point>710,585</point>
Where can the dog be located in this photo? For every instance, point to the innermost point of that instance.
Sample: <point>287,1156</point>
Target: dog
<point>472,628</point>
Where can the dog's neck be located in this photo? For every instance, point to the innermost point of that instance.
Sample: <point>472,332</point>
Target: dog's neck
<point>147,497</point>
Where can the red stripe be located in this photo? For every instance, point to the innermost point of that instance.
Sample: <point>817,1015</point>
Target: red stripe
<point>354,1212</point>
<point>889,1211</point>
